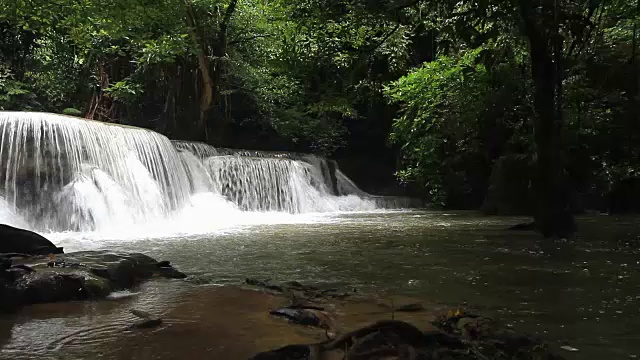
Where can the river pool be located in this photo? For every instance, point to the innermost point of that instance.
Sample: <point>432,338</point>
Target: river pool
<point>584,293</point>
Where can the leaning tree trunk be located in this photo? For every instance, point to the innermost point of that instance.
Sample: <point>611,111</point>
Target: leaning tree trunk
<point>553,215</point>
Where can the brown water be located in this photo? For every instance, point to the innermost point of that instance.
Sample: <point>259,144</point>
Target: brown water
<point>585,292</point>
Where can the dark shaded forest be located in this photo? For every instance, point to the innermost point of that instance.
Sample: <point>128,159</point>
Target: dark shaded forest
<point>512,107</point>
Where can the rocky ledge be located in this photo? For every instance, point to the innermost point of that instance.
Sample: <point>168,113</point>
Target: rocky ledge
<point>33,270</point>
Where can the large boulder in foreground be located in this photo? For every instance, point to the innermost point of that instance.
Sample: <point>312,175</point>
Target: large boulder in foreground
<point>15,240</point>
<point>75,276</point>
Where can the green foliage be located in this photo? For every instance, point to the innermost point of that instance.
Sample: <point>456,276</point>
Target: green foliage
<point>451,80</point>
<point>125,91</point>
<point>14,94</point>
<point>439,103</point>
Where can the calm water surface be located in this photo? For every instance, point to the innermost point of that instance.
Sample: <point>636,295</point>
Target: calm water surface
<point>585,292</point>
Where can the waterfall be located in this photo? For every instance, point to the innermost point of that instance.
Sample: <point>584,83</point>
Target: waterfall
<point>267,181</point>
<point>61,173</point>
<point>75,174</point>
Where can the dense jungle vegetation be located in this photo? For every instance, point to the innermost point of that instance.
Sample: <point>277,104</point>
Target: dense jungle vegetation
<point>513,106</point>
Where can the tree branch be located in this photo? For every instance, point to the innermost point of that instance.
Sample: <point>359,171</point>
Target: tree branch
<point>579,42</point>
<point>227,16</point>
<point>384,39</point>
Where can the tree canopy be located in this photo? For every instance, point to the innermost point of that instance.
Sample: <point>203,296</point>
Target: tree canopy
<point>440,91</point>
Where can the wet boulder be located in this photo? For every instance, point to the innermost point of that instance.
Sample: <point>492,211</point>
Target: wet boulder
<point>122,270</point>
<point>15,240</point>
<point>75,276</point>
<point>47,287</point>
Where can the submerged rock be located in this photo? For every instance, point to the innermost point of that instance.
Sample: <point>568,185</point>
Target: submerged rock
<point>147,321</point>
<point>21,241</point>
<point>296,289</point>
<point>311,316</point>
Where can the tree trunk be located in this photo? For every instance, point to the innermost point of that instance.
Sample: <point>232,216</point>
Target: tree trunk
<point>553,215</point>
<point>206,96</point>
<point>219,129</point>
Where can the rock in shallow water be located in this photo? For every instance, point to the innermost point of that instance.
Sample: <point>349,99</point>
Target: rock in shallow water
<point>304,316</point>
<point>77,276</point>
<point>147,321</point>
<point>45,287</point>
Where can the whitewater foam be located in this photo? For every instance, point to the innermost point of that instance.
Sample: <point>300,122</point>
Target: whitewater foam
<point>85,179</point>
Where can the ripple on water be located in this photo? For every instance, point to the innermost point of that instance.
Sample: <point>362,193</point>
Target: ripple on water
<point>69,330</point>
<point>51,338</point>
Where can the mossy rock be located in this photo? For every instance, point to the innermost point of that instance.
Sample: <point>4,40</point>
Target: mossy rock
<point>97,287</point>
<point>72,112</point>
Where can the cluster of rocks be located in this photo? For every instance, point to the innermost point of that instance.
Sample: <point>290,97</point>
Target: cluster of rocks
<point>456,335</point>
<point>33,270</point>
<point>392,339</point>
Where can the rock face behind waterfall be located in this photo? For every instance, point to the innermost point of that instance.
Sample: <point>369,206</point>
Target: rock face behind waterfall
<point>74,276</point>
<point>14,240</point>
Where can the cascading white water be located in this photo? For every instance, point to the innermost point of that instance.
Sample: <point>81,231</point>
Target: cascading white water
<point>8,216</point>
<point>275,181</point>
<point>61,173</point>
<point>66,173</point>
<point>273,184</point>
